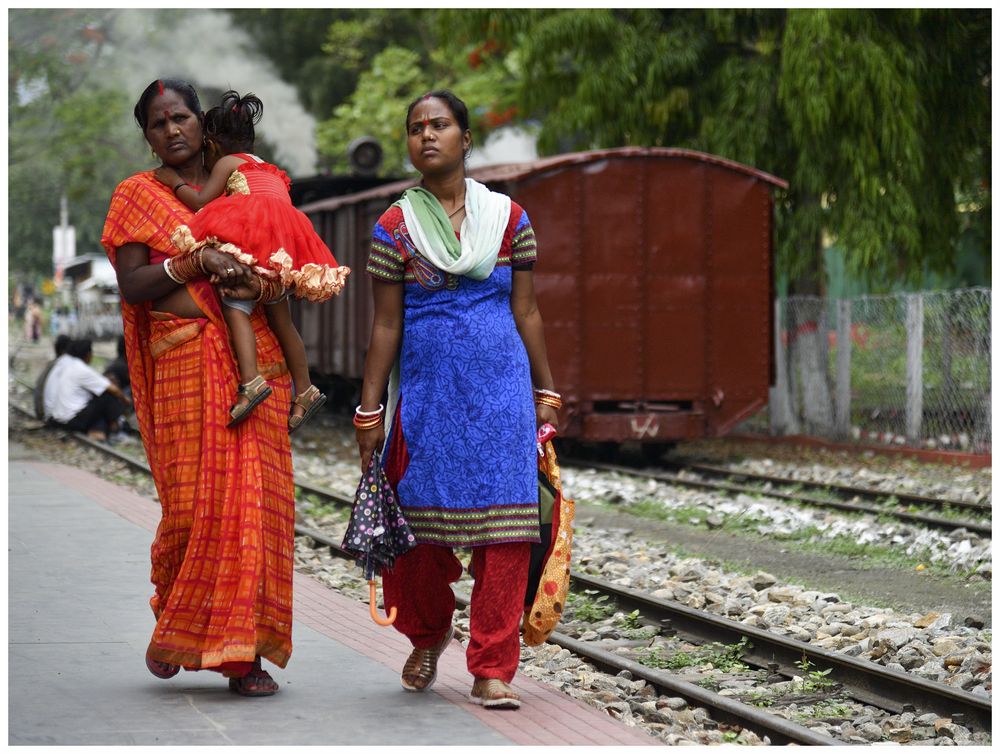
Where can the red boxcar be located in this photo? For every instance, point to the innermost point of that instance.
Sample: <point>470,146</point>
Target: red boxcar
<point>654,279</point>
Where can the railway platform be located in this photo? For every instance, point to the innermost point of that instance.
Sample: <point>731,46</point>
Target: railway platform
<point>79,623</point>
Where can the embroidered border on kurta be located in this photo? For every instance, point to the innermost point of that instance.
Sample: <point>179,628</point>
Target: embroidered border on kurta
<point>469,528</point>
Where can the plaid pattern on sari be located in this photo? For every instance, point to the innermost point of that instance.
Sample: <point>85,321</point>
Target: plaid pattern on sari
<point>223,552</point>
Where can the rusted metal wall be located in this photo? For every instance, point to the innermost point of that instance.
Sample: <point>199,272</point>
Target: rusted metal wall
<point>654,281</point>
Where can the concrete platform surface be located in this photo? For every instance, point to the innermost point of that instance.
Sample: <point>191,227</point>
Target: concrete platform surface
<point>79,622</point>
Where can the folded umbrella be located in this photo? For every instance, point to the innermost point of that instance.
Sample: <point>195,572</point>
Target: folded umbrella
<point>377,533</point>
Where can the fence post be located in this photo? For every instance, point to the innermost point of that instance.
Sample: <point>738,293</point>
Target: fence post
<point>842,399</point>
<point>914,365</point>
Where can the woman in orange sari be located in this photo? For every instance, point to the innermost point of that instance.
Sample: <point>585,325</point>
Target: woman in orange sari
<point>223,552</point>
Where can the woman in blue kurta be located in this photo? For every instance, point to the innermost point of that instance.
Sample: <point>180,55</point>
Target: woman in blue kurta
<point>455,312</point>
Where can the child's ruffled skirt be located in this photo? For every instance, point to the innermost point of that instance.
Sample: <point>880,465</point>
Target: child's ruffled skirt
<point>270,235</point>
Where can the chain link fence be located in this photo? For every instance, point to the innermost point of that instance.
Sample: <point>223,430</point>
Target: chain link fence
<point>907,369</point>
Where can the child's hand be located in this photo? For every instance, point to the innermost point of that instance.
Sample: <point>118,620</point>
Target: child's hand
<point>167,176</point>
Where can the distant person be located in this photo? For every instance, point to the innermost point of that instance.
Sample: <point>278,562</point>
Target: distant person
<point>247,207</point>
<point>79,398</point>
<point>33,321</point>
<point>61,344</point>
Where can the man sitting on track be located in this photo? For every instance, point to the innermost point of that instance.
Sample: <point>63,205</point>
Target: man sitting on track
<point>79,398</point>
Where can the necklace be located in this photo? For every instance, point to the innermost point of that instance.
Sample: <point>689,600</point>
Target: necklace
<point>456,211</point>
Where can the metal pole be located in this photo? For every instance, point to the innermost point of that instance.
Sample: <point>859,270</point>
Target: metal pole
<point>842,400</point>
<point>914,366</point>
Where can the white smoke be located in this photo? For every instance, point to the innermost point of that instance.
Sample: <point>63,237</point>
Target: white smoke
<point>205,48</point>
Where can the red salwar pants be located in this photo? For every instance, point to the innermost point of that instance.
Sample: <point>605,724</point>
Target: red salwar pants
<point>418,587</point>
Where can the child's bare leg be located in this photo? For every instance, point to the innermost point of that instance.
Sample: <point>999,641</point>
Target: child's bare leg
<point>244,345</point>
<point>279,317</point>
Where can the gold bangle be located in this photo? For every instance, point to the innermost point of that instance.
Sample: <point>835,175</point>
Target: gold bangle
<point>548,398</point>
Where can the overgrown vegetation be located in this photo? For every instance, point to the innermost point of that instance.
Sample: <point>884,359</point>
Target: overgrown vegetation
<point>589,608</point>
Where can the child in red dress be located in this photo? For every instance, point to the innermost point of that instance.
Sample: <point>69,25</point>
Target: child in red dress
<point>245,210</point>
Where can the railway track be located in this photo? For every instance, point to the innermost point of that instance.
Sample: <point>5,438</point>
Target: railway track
<point>682,479</point>
<point>864,681</point>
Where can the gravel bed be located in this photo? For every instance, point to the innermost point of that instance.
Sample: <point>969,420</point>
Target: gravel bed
<point>958,550</point>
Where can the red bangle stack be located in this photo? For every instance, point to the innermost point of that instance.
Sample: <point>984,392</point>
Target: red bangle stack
<point>368,419</point>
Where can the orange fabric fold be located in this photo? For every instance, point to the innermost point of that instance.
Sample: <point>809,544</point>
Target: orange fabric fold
<point>222,556</point>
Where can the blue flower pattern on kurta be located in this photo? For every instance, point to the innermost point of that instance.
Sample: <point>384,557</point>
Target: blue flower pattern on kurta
<point>466,408</point>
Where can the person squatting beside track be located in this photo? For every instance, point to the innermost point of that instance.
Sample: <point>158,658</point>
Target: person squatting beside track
<point>222,556</point>
<point>451,266</point>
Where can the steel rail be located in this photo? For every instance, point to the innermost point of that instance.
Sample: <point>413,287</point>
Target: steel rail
<point>865,681</point>
<point>866,493</point>
<point>979,527</point>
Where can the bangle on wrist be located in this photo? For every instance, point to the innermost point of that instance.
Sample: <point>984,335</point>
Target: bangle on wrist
<point>270,289</point>
<point>183,267</point>
<point>366,414</point>
<point>180,185</point>
<point>548,398</point>
<point>170,273</point>
<point>368,419</point>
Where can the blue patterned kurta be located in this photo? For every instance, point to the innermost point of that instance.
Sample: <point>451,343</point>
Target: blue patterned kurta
<point>466,412</point>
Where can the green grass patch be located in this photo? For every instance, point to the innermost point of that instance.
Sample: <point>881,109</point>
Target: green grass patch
<point>724,657</point>
<point>585,606</point>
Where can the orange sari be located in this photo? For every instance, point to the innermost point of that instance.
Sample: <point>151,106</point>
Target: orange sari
<point>222,556</point>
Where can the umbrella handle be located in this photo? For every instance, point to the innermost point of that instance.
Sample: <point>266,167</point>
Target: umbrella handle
<point>374,610</point>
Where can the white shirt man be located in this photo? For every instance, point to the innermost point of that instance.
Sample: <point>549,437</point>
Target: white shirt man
<point>79,397</point>
<point>70,387</point>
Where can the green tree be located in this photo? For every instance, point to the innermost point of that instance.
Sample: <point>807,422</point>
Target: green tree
<point>420,56</point>
<point>322,51</point>
<point>69,132</point>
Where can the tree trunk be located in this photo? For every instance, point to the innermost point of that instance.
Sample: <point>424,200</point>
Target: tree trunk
<point>808,346</point>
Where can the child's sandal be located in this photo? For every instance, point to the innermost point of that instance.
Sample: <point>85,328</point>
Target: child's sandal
<point>311,400</point>
<point>255,392</point>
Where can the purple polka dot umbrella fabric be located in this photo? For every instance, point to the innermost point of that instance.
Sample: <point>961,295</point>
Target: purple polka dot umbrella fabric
<point>377,532</point>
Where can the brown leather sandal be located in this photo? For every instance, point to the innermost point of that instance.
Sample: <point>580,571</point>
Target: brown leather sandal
<point>493,693</point>
<point>255,392</point>
<point>258,682</point>
<point>310,400</point>
<point>421,666</point>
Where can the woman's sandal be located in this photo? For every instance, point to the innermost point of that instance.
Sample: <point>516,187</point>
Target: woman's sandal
<point>255,392</point>
<point>258,682</point>
<point>161,669</point>
<point>493,693</point>
<point>422,664</point>
<point>310,400</point>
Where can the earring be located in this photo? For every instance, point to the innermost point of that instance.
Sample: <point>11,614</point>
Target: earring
<point>153,152</point>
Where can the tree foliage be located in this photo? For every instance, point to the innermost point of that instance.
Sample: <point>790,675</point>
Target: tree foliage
<point>878,119</point>
<point>392,75</point>
<point>69,132</point>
